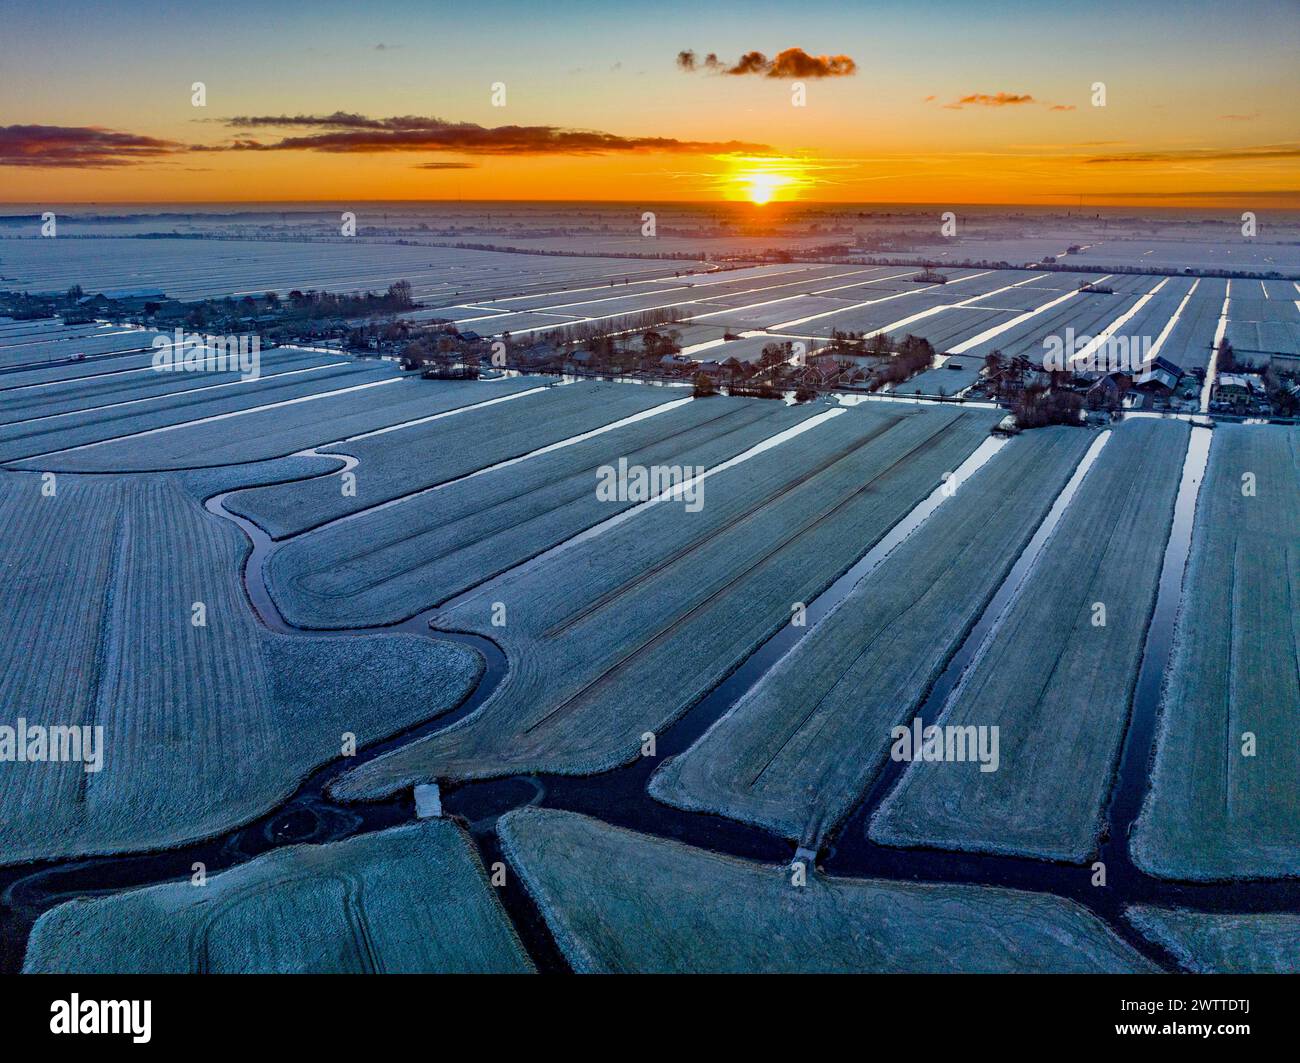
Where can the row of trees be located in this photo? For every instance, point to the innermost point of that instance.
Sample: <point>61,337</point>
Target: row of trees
<point>583,333</point>
<point>1038,406</point>
<point>914,354</point>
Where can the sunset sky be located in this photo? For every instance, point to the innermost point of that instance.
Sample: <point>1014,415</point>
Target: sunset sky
<point>1202,102</point>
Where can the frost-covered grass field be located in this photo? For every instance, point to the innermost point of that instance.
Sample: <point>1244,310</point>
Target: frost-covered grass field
<point>1058,675</point>
<point>50,340</point>
<point>417,457</point>
<point>405,900</point>
<point>256,435</point>
<point>144,630</point>
<point>330,263</point>
<point>49,439</point>
<point>618,635</point>
<point>618,901</point>
<point>803,745</point>
<point>392,562</point>
<point>1224,800</point>
<point>1221,942</point>
<point>1258,325</point>
<point>145,388</point>
<point>125,604</point>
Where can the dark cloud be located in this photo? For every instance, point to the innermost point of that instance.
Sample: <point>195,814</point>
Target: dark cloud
<point>83,147</point>
<point>344,133</point>
<point>796,63</point>
<point>750,63</point>
<point>791,63</point>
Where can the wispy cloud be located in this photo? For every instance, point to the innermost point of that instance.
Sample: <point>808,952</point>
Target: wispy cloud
<point>999,99</point>
<point>81,147</point>
<point>342,132</point>
<point>1263,151</point>
<point>990,99</point>
<point>791,63</point>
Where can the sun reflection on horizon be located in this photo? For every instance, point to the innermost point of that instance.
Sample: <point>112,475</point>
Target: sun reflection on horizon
<point>764,179</point>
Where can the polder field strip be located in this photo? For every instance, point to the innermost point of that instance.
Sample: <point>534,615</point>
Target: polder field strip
<point>406,900</point>
<point>161,387</point>
<point>47,440</point>
<point>869,302</point>
<point>993,332</point>
<point>1224,797</point>
<point>1223,942</point>
<point>54,349</point>
<point>208,719</point>
<point>1220,331</point>
<point>285,430</point>
<point>1084,312</point>
<point>1072,636</point>
<point>1116,326</point>
<point>413,459</point>
<point>1158,344</point>
<point>943,308</point>
<point>694,291</point>
<point>801,748</point>
<point>671,601</point>
<point>619,901</point>
<point>64,374</point>
<point>603,313</point>
<point>382,565</point>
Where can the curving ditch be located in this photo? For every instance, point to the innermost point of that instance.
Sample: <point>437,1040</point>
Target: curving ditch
<point>620,796</point>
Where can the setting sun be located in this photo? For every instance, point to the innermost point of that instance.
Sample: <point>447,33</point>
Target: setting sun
<point>762,186</point>
<point>761,180</point>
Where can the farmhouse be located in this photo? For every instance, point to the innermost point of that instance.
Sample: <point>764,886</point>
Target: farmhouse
<point>1158,377</point>
<point>1110,389</point>
<point>671,363</point>
<point>1230,386</point>
<point>539,354</point>
<point>581,360</point>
